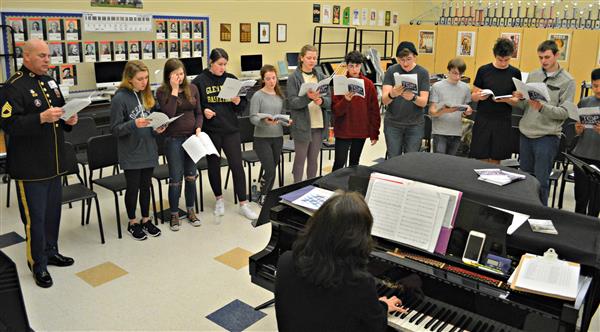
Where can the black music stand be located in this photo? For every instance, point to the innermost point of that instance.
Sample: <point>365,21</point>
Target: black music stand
<point>592,173</point>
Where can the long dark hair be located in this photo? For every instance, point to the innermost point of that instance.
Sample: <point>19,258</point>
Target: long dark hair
<point>267,69</point>
<point>170,66</point>
<point>334,247</point>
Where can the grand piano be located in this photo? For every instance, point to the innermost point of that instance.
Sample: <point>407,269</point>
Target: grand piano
<point>440,292</point>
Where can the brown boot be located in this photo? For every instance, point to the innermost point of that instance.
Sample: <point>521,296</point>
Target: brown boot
<point>174,222</point>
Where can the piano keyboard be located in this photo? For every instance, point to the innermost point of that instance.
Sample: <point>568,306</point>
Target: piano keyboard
<point>427,314</point>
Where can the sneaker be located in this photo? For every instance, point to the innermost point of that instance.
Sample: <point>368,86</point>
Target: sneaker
<point>174,223</point>
<point>193,219</point>
<point>247,212</point>
<point>261,200</point>
<point>150,229</point>
<point>220,207</point>
<point>136,231</point>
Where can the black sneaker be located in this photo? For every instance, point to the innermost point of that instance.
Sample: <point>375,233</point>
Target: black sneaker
<point>150,229</point>
<point>136,231</point>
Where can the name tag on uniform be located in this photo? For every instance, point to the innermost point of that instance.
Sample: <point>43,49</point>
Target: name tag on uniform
<point>52,84</point>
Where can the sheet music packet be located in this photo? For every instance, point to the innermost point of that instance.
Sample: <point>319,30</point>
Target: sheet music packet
<point>159,119</point>
<point>199,146</point>
<point>308,199</point>
<point>343,85</point>
<point>459,107</point>
<point>413,213</point>
<point>487,92</point>
<point>284,118</point>
<point>407,81</point>
<point>322,87</point>
<point>76,105</point>
<point>232,88</point>
<point>532,91</point>
<point>588,116</point>
<point>547,275</point>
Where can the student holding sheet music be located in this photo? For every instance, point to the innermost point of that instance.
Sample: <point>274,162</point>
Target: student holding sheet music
<point>177,96</point>
<point>221,125</point>
<point>541,124</point>
<point>268,132</point>
<point>448,104</point>
<point>587,199</point>
<point>308,113</point>
<point>354,118</point>
<point>492,126</point>
<point>404,122</point>
<point>323,283</point>
<point>138,153</point>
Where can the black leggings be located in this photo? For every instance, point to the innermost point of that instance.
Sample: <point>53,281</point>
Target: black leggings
<point>231,145</point>
<point>342,145</point>
<point>268,150</point>
<point>138,180</point>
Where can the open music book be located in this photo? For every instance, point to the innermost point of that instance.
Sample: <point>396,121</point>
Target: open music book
<point>547,275</point>
<point>589,116</point>
<point>233,88</point>
<point>343,85</point>
<point>199,146</point>
<point>497,176</point>
<point>160,119</point>
<point>487,92</point>
<point>411,212</point>
<point>322,87</point>
<point>533,91</point>
<point>407,81</point>
<point>459,107</point>
<point>283,118</point>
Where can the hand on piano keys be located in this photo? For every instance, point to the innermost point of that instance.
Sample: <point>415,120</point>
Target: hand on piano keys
<point>394,304</point>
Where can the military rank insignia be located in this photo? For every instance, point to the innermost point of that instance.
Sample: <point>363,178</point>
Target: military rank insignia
<point>6,110</point>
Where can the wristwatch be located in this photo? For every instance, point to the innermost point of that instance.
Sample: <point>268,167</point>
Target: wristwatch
<point>414,98</point>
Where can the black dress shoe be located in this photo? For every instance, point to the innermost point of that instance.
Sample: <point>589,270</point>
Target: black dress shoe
<point>60,260</point>
<point>43,279</point>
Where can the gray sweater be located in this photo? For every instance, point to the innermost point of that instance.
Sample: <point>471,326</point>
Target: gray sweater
<point>588,145</point>
<point>262,102</point>
<point>548,120</point>
<point>137,146</point>
<point>298,106</point>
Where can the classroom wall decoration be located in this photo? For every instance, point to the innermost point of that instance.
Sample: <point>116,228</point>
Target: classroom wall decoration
<point>562,41</point>
<point>336,15</point>
<point>426,41</point>
<point>346,16</point>
<point>264,32</point>
<point>245,32</point>
<point>326,14</point>
<point>516,39</point>
<point>139,4</point>
<point>225,32</point>
<point>117,22</point>
<point>465,43</point>
<point>316,13</point>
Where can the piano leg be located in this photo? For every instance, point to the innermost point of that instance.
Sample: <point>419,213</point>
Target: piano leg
<point>264,305</point>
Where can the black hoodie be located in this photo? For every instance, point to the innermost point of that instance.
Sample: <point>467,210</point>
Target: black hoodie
<point>209,86</point>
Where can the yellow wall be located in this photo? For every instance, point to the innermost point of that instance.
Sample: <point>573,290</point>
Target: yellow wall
<point>296,14</point>
<point>581,60</point>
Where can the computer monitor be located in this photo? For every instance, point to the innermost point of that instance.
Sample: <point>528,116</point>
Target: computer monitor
<point>251,65</point>
<point>193,66</point>
<point>292,60</point>
<point>109,74</point>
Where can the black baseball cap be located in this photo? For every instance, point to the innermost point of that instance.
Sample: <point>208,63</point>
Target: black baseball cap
<point>406,45</point>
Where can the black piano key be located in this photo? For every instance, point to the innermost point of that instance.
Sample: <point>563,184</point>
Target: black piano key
<point>457,323</point>
<point>425,314</point>
<point>412,307</point>
<point>435,317</point>
<point>441,319</point>
<point>450,318</point>
<point>465,324</point>
<point>476,327</point>
<point>421,311</point>
<point>484,327</point>
<point>491,328</point>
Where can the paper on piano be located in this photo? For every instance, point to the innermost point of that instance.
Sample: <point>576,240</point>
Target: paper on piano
<point>233,88</point>
<point>518,220</point>
<point>308,199</point>
<point>547,275</point>
<point>160,119</point>
<point>410,212</point>
<point>542,226</point>
<point>199,146</point>
<point>407,81</point>
<point>75,105</point>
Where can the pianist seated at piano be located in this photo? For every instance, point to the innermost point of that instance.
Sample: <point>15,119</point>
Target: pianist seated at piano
<point>323,283</point>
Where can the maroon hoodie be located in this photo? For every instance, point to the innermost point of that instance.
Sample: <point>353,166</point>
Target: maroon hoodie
<point>173,106</point>
<point>358,118</point>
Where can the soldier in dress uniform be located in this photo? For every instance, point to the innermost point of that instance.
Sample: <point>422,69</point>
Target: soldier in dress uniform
<point>35,155</point>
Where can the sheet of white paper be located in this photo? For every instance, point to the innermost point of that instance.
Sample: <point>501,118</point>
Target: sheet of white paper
<point>73,107</point>
<point>313,199</point>
<point>518,220</point>
<point>160,119</point>
<point>199,146</point>
<point>551,276</point>
<point>408,81</point>
<point>230,88</point>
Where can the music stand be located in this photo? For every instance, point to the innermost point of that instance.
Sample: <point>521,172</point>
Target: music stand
<point>591,172</point>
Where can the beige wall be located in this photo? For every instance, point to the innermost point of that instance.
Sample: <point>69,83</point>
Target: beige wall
<point>296,14</point>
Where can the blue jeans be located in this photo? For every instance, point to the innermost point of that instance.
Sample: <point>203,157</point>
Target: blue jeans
<point>180,164</point>
<point>403,139</point>
<point>446,144</point>
<point>536,157</point>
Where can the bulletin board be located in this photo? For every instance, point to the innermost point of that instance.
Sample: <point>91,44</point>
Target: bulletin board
<point>73,49</point>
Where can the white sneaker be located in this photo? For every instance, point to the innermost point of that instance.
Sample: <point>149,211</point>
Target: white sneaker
<point>247,212</point>
<point>220,207</point>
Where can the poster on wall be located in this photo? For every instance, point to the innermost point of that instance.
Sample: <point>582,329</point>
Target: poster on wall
<point>316,13</point>
<point>53,71</point>
<point>336,14</point>
<point>161,49</point>
<point>198,47</point>
<point>356,17</point>
<point>373,17</point>
<point>57,52</point>
<point>173,29</point>
<point>105,50</point>
<point>161,29</point>
<point>465,44</point>
<point>364,16</point>
<point>134,49</point>
<point>54,29</point>
<point>72,29</point>
<point>120,50</point>
<point>35,28</point>
<point>139,4</point>
<point>388,18</point>
<point>173,48</point>
<point>395,18</point>
<point>185,29</point>
<point>19,53</point>
<point>74,52</point>
<point>18,25</point>
<point>89,54</point>
<point>326,14</point>
<point>186,51</point>
<point>346,16</point>
<point>381,18</point>
<point>562,40</point>
<point>426,41</point>
<point>198,29</point>
<point>147,49</point>
<point>68,75</point>
<point>515,37</point>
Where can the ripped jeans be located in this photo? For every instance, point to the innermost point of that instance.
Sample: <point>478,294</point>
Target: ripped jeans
<point>180,165</point>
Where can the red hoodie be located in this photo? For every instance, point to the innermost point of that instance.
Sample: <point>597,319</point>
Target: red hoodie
<point>358,118</point>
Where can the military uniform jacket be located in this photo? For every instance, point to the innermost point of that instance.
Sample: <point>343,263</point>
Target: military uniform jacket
<point>35,151</point>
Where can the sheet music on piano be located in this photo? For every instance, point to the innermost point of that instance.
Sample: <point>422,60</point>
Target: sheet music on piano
<point>410,212</point>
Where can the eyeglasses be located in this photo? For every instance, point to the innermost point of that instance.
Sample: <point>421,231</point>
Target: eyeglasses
<point>354,65</point>
<point>455,73</point>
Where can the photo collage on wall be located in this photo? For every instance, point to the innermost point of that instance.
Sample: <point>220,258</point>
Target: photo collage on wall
<point>345,15</point>
<point>177,39</point>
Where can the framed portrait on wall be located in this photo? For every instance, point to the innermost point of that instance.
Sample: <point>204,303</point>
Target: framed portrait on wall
<point>245,32</point>
<point>562,40</point>
<point>281,32</point>
<point>264,32</point>
<point>426,41</point>
<point>515,37</point>
<point>465,43</point>
<point>225,32</point>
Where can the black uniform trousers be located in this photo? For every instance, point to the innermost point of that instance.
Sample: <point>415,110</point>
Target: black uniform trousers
<point>40,207</point>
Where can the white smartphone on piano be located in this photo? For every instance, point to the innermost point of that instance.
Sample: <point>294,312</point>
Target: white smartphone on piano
<point>474,247</point>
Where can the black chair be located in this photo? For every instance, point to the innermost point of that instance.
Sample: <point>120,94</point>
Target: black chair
<point>79,136</point>
<point>427,133</point>
<point>289,148</point>
<point>249,157</point>
<point>567,142</point>
<point>102,152</point>
<point>325,146</point>
<point>78,191</point>
<point>203,165</point>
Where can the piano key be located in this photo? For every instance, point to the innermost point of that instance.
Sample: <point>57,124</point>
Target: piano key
<point>476,327</point>
<point>484,327</point>
<point>412,308</point>
<point>447,321</point>
<point>465,324</point>
<point>440,320</point>
<point>420,312</point>
<point>435,317</point>
<point>426,313</point>
<point>458,323</point>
